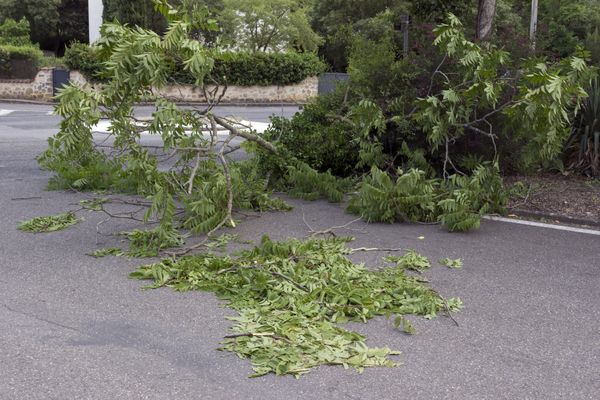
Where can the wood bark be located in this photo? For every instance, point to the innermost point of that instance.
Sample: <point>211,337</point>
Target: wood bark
<point>485,19</point>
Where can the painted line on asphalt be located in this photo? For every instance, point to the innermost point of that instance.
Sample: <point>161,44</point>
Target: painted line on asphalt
<point>6,112</point>
<point>543,225</point>
<point>103,126</point>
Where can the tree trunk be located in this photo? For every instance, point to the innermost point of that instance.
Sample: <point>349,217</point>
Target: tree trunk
<point>485,18</point>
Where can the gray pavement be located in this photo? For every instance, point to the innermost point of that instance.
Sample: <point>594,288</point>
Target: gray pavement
<point>75,327</point>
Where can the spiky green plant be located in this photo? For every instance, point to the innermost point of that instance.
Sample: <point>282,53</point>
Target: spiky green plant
<point>583,146</point>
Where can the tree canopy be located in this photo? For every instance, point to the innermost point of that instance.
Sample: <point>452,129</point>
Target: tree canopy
<point>54,23</point>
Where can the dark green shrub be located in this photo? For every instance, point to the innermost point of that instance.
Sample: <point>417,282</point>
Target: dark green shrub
<point>19,62</point>
<point>85,59</point>
<point>264,69</point>
<point>318,137</point>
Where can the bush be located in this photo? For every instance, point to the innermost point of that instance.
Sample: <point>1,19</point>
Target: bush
<point>52,62</point>
<point>19,62</point>
<point>15,33</point>
<point>242,69</point>
<point>317,137</point>
<point>264,69</point>
<point>85,59</point>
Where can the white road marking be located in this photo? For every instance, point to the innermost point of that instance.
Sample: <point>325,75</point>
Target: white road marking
<point>543,225</point>
<point>6,112</point>
<point>50,113</point>
<point>103,126</point>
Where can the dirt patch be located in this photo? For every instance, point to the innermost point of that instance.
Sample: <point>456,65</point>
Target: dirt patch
<point>569,196</point>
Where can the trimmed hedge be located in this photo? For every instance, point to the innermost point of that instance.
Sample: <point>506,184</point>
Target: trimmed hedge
<point>264,69</point>
<point>240,69</point>
<point>19,62</point>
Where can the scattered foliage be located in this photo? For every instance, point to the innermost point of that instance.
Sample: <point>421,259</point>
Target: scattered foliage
<point>109,251</point>
<point>412,261</point>
<point>290,296</point>
<point>148,243</point>
<point>51,223</point>
<point>452,263</point>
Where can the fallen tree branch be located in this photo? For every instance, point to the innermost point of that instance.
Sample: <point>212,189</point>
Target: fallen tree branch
<point>245,134</point>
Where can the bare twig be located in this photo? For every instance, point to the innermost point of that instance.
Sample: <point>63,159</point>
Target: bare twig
<point>328,231</point>
<point>376,249</point>
<point>266,334</point>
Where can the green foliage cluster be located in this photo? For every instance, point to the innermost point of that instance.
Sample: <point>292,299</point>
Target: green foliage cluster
<point>19,58</point>
<point>457,203</point>
<point>50,223</point>
<point>341,22</point>
<point>244,69</point>
<point>306,183</point>
<point>54,23</point>
<point>291,295</point>
<point>317,136</point>
<point>134,13</point>
<point>263,69</point>
<point>84,58</point>
<point>15,33</point>
<point>198,190</point>
<point>268,25</point>
<point>9,54</point>
<point>92,171</point>
<point>148,243</point>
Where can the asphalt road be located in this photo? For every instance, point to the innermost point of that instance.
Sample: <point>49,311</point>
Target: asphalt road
<point>75,327</point>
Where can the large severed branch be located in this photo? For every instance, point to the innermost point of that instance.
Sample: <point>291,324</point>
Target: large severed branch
<point>245,134</point>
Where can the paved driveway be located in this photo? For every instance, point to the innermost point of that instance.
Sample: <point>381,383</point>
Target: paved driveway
<point>75,327</point>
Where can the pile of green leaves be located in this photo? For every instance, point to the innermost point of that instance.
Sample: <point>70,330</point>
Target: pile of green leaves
<point>50,223</point>
<point>291,295</point>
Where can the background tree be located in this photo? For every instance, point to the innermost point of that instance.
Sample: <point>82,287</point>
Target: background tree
<point>268,25</point>
<point>485,18</point>
<point>339,21</point>
<point>134,13</point>
<point>54,23</point>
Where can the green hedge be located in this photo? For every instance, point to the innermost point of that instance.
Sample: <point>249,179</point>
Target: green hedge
<point>19,61</point>
<point>263,69</point>
<point>240,69</point>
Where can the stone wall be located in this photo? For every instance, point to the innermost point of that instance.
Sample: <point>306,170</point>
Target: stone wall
<point>299,93</point>
<point>40,88</point>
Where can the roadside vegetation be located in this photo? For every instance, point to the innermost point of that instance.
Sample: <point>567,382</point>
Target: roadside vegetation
<point>420,135</point>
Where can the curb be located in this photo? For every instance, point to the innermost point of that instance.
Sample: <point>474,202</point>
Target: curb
<point>555,217</point>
